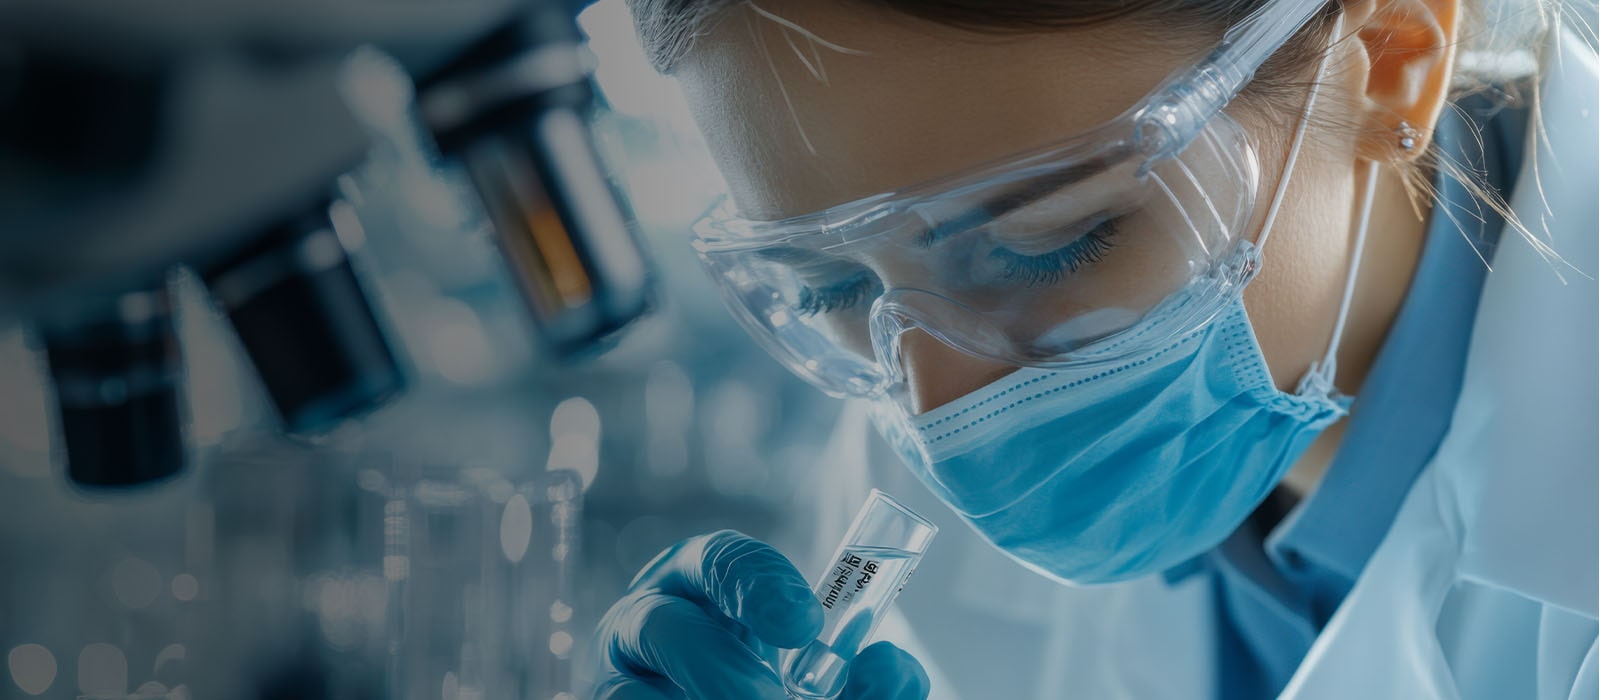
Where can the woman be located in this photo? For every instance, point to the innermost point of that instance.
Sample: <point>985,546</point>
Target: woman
<point>1154,290</point>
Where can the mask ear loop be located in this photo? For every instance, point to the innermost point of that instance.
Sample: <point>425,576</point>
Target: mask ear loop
<point>1318,381</point>
<point>1299,137</point>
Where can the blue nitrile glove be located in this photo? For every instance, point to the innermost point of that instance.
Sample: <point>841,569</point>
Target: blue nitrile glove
<point>705,620</point>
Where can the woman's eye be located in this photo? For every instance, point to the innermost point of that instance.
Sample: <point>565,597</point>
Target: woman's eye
<point>1045,269</point>
<point>845,294</point>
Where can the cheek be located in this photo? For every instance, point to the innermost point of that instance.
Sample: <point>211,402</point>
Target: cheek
<point>1295,299</point>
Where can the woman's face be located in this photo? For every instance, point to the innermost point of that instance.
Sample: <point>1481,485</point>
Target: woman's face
<point>882,101</point>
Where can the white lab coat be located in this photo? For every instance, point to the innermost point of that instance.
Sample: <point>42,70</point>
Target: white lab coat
<point>1484,587</point>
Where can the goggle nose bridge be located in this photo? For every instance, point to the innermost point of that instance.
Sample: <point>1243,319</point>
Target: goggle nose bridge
<point>901,309</point>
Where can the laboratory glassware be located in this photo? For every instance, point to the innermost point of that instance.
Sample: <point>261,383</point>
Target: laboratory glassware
<point>874,560</point>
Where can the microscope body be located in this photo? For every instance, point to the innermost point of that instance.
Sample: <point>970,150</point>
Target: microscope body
<point>137,138</point>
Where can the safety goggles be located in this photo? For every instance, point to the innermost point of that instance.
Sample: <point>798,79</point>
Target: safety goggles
<point>1094,250</point>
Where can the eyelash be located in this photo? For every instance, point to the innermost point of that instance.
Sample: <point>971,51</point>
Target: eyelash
<point>1033,270</point>
<point>839,296</point>
<point>1049,268</point>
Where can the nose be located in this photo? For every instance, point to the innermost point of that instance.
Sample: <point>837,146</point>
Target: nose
<point>938,374</point>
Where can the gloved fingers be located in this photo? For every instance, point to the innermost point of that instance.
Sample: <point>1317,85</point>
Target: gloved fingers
<point>651,634</point>
<point>746,579</point>
<point>763,650</point>
<point>620,687</point>
<point>884,671</point>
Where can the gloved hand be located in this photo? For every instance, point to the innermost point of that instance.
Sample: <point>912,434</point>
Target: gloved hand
<point>705,619</point>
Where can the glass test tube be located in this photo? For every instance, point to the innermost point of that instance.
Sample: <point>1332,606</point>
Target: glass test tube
<point>876,557</point>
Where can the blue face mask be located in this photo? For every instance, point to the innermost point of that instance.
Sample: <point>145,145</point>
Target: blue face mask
<point>1107,474</point>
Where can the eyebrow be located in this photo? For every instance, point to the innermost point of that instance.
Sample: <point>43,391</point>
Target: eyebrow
<point>1023,196</point>
<point>993,208</point>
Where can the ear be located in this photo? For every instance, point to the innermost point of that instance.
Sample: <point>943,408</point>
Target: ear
<point>1410,48</point>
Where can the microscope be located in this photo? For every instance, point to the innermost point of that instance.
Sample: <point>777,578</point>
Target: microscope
<point>141,138</point>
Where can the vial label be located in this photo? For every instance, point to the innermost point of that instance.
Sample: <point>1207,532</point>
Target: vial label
<point>855,594</point>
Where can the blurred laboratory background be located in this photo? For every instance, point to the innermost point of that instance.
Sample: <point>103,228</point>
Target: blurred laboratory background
<point>463,450</point>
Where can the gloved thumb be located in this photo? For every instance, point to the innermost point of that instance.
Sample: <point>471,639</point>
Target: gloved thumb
<point>884,671</point>
<point>747,580</point>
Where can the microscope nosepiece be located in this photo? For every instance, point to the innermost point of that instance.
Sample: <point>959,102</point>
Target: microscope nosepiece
<point>117,379</point>
<point>300,312</point>
<point>517,111</point>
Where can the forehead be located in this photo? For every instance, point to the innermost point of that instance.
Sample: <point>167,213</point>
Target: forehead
<point>807,105</point>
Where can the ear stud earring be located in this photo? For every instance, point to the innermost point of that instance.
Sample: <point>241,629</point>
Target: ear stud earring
<point>1408,136</point>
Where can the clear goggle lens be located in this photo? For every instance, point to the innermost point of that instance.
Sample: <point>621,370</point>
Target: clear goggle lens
<point>1084,253</point>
